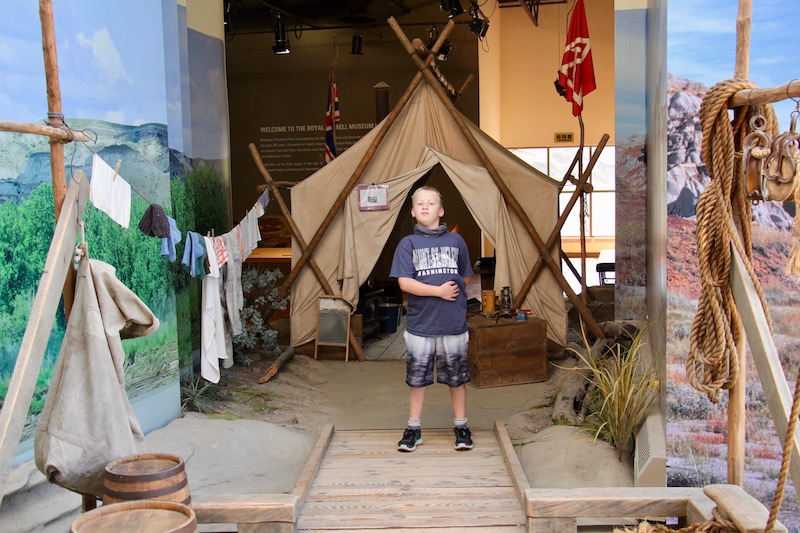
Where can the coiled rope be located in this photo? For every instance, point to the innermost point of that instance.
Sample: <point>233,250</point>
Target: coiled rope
<point>713,361</point>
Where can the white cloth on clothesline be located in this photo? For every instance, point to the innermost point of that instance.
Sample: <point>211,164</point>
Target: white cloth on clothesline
<point>212,325</point>
<point>234,298</point>
<point>110,193</point>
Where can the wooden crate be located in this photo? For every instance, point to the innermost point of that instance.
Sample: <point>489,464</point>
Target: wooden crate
<point>507,352</point>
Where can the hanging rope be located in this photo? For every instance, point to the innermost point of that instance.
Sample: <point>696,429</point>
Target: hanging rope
<point>713,361</point>
<point>786,458</point>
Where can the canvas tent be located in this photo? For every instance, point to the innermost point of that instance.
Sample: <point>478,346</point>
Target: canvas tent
<point>423,135</point>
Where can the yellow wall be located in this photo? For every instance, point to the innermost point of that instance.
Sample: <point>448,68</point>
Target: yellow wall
<point>205,16</point>
<point>519,63</point>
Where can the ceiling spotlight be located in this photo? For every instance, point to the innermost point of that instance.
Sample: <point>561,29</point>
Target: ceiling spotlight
<point>479,24</point>
<point>355,49</point>
<point>453,6</point>
<point>281,42</point>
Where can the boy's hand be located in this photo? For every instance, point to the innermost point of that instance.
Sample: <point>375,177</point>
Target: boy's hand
<point>448,291</point>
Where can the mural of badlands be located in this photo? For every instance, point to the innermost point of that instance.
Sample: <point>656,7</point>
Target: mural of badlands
<point>697,428</point>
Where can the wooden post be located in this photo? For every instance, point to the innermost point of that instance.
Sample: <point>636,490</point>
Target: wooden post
<point>303,246</point>
<point>737,394</point>
<point>743,23</point>
<point>55,119</point>
<point>37,332</point>
<point>345,192</point>
<point>765,96</point>
<point>509,198</point>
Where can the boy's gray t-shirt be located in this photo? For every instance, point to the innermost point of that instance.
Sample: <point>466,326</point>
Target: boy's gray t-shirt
<point>434,260</point>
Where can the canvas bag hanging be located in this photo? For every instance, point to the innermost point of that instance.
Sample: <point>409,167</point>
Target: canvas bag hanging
<point>87,420</point>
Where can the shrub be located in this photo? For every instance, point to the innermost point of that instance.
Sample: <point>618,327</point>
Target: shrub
<point>685,403</point>
<point>624,387</point>
<point>260,295</point>
<point>198,395</point>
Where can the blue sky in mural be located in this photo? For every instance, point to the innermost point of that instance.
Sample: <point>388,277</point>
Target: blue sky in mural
<point>105,73</point>
<point>629,83</point>
<point>702,43</point>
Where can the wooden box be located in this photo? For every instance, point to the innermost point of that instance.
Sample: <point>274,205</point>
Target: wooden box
<point>506,352</point>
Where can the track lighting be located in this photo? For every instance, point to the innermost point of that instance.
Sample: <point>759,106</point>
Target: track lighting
<point>479,24</point>
<point>281,42</point>
<point>453,6</point>
<point>479,27</point>
<point>355,49</point>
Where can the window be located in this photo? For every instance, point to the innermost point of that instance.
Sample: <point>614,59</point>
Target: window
<point>600,204</point>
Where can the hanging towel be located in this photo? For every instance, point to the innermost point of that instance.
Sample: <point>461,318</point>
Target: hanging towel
<point>250,233</point>
<point>154,222</point>
<point>226,362</point>
<point>168,243</point>
<point>234,299</point>
<point>87,420</point>
<point>212,326</point>
<point>110,193</point>
<point>262,203</point>
<point>221,250</point>
<point>194,254</point>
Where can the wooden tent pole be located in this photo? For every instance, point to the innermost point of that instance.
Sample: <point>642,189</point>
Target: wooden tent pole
<point>55,119</point>
<point>580,186</point>
<point>299,236</point>
<point>509,198</point>
<point>737,393</point>
<point>345,192</point>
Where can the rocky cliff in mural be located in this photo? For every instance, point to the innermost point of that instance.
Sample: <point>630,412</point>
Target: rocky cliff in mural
<point>687,176</point>
<point>141,150</point>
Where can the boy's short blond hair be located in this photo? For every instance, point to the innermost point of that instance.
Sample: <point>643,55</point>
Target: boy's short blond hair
<point>428,188</point>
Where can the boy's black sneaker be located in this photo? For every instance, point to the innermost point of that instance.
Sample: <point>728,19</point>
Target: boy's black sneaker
<point>463,438</point>
<point>411,437</point>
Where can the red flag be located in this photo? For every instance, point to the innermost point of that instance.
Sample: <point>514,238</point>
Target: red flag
<point>331,118</point>
<point>576,75</point>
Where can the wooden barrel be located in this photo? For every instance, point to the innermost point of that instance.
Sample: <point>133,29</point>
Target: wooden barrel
<point>143,516</point>
<point>149,476</point>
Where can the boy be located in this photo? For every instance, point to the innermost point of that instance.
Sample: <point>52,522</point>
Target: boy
<point>432,266</point>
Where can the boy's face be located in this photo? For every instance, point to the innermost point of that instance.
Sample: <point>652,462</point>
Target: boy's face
<point>427,209</point>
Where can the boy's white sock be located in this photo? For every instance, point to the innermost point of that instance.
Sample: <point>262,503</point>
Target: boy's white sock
<point>414,422</point>
<point>460,422</point>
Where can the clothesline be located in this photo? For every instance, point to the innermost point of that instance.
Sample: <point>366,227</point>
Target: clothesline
<point>94,154</point>
<point>217,261</point>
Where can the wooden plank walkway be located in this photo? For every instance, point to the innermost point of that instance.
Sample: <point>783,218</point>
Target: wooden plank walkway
<point>356,480</point>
